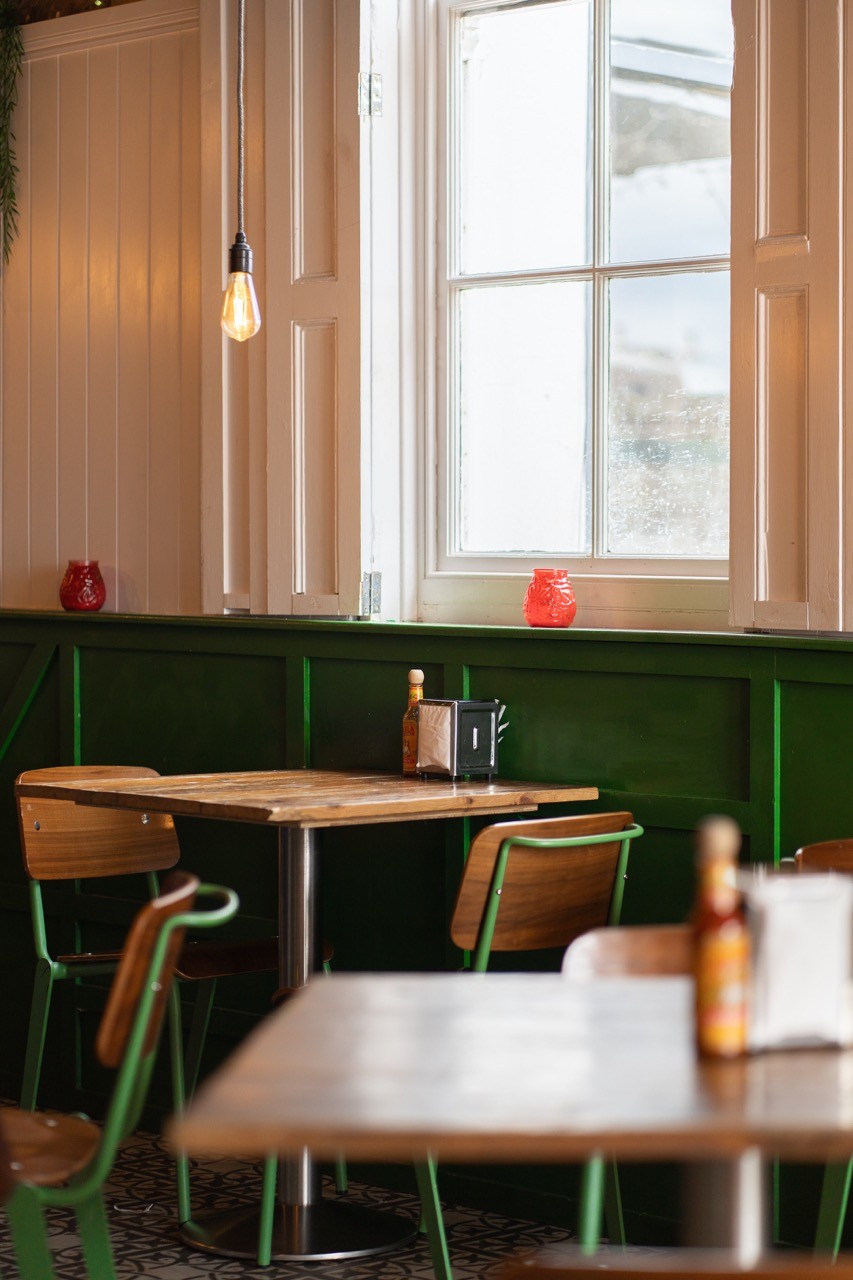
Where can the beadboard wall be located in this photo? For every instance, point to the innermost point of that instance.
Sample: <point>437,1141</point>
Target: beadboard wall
<point>99,339</point>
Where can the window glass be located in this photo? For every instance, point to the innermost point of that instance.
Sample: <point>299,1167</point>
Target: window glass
<point>668,419</point>
<point>587,378</point>
<point>523,432</point>
<point>524,192</point>
<point>670,88</point>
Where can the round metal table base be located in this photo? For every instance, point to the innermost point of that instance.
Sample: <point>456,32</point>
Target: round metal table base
<point>326,1229</point>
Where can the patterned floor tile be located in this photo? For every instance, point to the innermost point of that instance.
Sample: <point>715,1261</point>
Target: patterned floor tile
<point>140,1200</point>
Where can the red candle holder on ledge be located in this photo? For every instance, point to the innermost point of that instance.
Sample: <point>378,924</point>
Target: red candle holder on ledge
<point>82,588</point>
<point>550,600</point>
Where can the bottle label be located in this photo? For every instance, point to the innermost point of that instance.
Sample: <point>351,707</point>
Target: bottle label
<point>416,693</point>
<point>410,746</point>
<point>722,989</point>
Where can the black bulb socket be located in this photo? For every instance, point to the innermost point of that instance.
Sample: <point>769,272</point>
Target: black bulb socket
<point>240,255</point>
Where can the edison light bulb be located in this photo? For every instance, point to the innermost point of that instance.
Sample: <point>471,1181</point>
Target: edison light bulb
<point>241,315</point>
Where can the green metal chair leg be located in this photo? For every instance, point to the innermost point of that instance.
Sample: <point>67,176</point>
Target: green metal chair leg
<point>432,1222</point>
<point>613,1205</point>
<point>29,1234</point>
<point>176,1054</point>
<point>267,1219</point>
<point>95,1238</point>
<point>592,1205</point>
<point>39,1010</point>
<point>198,1033</point>
<point>833,1207</point>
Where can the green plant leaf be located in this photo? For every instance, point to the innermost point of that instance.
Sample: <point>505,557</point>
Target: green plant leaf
<point>11,60</point>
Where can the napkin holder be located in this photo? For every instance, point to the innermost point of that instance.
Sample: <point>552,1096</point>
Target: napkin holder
<point>458,737</point>
<point>802,937</point>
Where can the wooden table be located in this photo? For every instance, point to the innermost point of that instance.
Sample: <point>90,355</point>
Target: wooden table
<point>299,802</point>
<point>524,1068</point>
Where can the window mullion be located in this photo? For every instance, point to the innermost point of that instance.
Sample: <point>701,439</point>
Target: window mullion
<point>600,239</point>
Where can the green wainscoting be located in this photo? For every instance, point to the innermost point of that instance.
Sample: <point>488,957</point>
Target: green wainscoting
<point>669,726</point>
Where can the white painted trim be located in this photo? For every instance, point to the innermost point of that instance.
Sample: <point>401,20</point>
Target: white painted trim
<point>807,261</point>
<point>81,31</point>
<point>437,279</point>
<point>847,328</point>
<point>213,29</point>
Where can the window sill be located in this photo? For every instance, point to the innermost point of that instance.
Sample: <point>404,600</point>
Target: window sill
<point>605,602</point>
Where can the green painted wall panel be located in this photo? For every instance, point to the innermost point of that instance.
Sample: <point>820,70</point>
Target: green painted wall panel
<point>357,709</point>
<point>183,711</point>
<point>667,725</point>
<point>665,734</point>
<point>816,757</point>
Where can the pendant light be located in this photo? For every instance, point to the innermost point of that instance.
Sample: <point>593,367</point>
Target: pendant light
<point>241,316</point>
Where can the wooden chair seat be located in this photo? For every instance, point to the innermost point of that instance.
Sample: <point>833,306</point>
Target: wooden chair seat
<point>47,1148</point>
<point>222,959</point>
<point>201,960</point>
<point>693,1264</point>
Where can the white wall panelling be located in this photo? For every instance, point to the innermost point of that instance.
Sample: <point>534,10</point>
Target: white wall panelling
<point>100,328</point>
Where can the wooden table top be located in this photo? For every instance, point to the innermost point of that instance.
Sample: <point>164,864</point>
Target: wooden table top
<point>510,1067</point>
<point>311,797</point>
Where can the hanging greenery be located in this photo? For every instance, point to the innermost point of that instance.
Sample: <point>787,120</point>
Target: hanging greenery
<point>11,58</point>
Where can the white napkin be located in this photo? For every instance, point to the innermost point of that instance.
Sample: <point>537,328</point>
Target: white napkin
<point>436,747</point>
<point>802,939</point>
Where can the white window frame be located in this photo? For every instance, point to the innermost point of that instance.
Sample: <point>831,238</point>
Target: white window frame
<point>625,592</point>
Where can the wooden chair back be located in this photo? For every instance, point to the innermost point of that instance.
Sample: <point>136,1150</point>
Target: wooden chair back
<point>61,840</point>
<point>132,974</point>
<point>829,855</point>
<point>675,1264</point>
<point>549,896</point>
<point>637,951</point>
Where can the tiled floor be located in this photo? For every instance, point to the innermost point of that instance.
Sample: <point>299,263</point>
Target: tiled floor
<point>140,1200</point>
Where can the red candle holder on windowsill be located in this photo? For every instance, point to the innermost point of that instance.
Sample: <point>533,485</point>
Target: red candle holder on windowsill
<point>82,588</point>
<point>550,600</point>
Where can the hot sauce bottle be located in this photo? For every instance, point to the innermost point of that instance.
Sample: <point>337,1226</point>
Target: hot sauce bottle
<point>721,943</point>
<point>410,722</point>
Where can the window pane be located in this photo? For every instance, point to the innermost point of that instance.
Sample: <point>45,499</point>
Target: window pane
<point>670,84</point>
<point>524,137</point>
<point>668,424</point>
<point>523,414</point>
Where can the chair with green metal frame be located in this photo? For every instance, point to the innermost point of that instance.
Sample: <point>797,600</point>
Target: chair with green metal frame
<point>830,855</point>
<point>64,1161</point>
<point>64,841</point>
<point>664,950</point>
<point>529,886</point>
